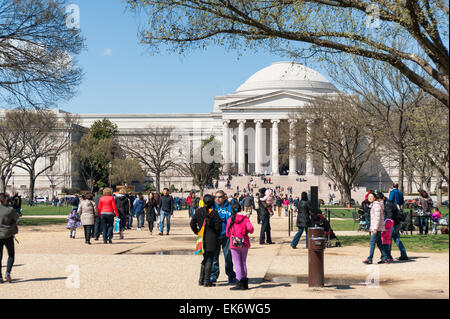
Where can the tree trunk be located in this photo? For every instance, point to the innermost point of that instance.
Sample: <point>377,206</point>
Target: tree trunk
<point>401,173</point>
<point>439,191</point>
<point>158,182</point>
<point>410,184</point>
<point>3,179</point>
<point>32,182</point>
<point>347,195</point>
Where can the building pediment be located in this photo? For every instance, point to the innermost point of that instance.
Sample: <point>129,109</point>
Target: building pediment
<point>278,99</point>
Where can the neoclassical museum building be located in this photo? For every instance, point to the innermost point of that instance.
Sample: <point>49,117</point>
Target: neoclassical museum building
<point>247,123</point>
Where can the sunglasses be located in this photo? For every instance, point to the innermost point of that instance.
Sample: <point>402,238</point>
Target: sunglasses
<point>220,196</point>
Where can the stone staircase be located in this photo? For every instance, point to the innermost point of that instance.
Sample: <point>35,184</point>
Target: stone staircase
<point>297,187</point>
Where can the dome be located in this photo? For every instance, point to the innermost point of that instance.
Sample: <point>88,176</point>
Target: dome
<point>286,76</point>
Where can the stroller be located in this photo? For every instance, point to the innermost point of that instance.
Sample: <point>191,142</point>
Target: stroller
<point>321,221</point>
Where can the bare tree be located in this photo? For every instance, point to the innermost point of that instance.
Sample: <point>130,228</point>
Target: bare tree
<point>311,28</point>
<point>207,168</point>
<point>37,49</point>
<point>45,137</point>
<point>430,130</point>
<point>341,135</point>
<point>389,99</point>
<point>11,147</point>
<point>154,149</point>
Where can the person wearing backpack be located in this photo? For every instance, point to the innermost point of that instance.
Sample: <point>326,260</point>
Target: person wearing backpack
<point>426,203</point>
<point>123,206</point>
<point>391,211</point>
<point>208,218</point>
<point>8,228</point>
<point>238,228</point>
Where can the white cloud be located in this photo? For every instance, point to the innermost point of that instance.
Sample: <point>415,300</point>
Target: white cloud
<point>107,52</point>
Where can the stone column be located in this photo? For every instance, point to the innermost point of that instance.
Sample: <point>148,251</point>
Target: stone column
<point>241,147</point>
<point>226,147</point>
<point>258,146</point>
<point>309,158</point>
<point>275,163</point>
<point>292,149</point>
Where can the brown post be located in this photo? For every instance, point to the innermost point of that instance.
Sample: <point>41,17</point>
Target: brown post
<point>316,246</point>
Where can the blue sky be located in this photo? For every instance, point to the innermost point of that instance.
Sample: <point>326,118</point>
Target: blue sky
<point>121,76</point>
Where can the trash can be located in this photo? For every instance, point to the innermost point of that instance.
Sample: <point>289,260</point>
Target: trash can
<point>316,246</point>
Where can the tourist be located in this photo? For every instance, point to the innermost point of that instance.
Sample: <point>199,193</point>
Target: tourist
<point>238,228</point>
<point>87,211</point>
<point>17,204</point>
<point>132,199</point>
<point>386,240</point>
<point>76,202</point>
<point>391,212</point>
<point>396,196</point>
<point>151,207</point>
<point>212,231</point>
<point>166,211</point>
<point>158,215</point>
<point>304,209</point>
<point>73,222</point>
<point>279,204</point>
<point>426,203</point>
<point>192,202</point>
<point>223,208</point>
<point>376,226</point>
<point>235,199</point>
<point>366,205</point>
<point>138,211</point>
<point>248,204</point>
<point>286,205</point>
<point>268,201</point>
<point>106,210</point>
<point>123,206</point>
<point>98,225</point>
<point>8,228</point>
<point>265,235</point>
<point>435,217</point>
<point>256,206</point>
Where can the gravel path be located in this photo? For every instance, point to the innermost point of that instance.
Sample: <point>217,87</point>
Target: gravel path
<point>51,265</point>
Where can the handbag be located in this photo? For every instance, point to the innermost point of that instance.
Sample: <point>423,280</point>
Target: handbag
<point>237,242</point>
<point>117,225</point>
<point>199,248</point>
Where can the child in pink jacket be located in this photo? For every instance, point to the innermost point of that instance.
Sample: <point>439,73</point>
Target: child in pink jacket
<point>238,228</point>
<point>386,236</point>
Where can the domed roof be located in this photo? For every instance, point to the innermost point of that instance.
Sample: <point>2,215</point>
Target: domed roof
<point>286,76</point>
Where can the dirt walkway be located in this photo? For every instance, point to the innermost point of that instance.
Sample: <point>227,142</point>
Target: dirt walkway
<point>51,265</point>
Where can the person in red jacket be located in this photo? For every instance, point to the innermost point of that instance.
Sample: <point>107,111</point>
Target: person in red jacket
<point>106,210</point>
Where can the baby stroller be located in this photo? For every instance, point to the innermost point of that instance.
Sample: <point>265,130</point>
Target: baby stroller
<point>362,221</point>
<point>321,221</point>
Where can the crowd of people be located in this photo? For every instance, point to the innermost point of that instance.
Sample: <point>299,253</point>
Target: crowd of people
<point>222,220</point>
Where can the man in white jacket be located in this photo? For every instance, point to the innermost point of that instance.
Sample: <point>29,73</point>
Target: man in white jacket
<point>376,226</point>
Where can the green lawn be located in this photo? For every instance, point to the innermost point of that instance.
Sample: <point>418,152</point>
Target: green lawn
<point>343,225</point>
<point>416,243</point>
<point>41,221</point>
<point>43,210</point>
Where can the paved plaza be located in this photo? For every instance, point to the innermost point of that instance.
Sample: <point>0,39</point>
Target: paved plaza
<point>51,265</point>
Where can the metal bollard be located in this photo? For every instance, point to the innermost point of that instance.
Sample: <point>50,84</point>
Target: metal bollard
<point>316,246</point>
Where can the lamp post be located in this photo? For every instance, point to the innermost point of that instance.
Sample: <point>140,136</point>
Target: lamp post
<point>13,183</point>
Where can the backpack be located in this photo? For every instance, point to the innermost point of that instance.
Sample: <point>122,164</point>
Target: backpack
<point>401,215</point>
<point>444,231</point>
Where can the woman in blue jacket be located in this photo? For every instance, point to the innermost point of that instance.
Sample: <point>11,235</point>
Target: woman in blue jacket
<point>138,210</point>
